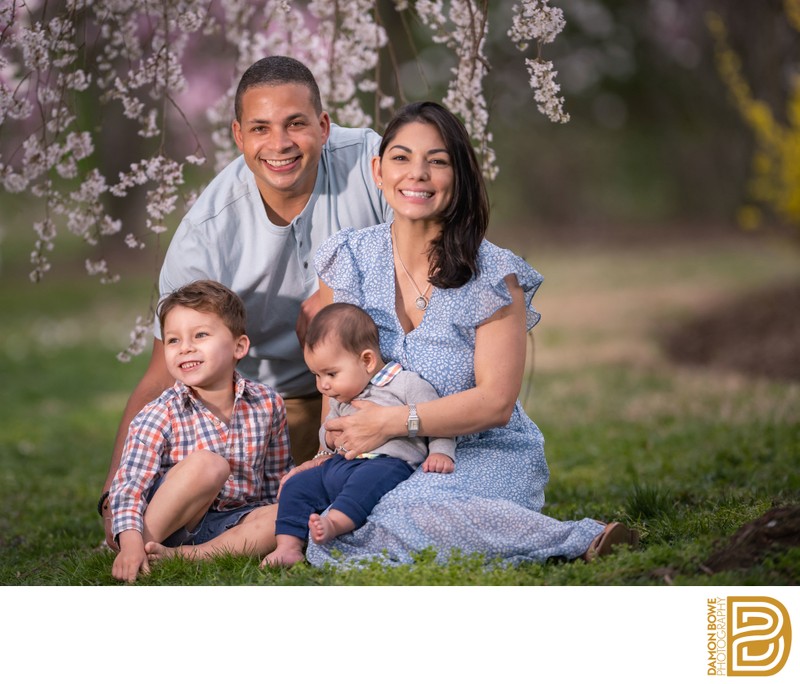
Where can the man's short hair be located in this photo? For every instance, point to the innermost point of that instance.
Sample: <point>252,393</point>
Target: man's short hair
<point>207,296</point>
<point>277,70</point>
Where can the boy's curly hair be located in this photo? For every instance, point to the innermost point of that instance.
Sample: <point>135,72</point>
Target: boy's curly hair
<point>207,296</point>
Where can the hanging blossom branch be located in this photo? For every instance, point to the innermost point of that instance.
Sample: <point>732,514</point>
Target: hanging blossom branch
<point>462,27</point>
<point>535,21</point>
<point>116,61</point>
<point>50,84</point>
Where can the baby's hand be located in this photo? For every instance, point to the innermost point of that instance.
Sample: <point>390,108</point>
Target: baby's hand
<point>305,465</point>
<point>438,463</point>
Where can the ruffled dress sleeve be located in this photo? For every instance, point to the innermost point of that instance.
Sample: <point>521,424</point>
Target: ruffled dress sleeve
<point>336,264</point>
<point>488,292</point>
<point>351,263</point>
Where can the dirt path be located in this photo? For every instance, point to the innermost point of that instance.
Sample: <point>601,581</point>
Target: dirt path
<point>733,304</point>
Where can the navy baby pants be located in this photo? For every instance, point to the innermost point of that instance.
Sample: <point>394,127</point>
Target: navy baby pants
<point>352,487</point>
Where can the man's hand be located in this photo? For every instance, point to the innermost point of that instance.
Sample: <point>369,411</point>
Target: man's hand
<point>308,309</point>
<point>105,511</point>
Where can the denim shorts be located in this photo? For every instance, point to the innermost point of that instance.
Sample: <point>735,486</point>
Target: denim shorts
<point>213,524</point>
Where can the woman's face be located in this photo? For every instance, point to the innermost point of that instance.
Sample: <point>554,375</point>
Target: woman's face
<point>415,173</point>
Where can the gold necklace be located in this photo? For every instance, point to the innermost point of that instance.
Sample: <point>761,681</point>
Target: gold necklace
<point>422,300</point>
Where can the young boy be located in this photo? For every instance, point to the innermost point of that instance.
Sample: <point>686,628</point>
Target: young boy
<point>342,350</point>
<point>201,462</point>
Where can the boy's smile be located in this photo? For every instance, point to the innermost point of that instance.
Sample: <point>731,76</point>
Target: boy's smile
<point>200,349</point>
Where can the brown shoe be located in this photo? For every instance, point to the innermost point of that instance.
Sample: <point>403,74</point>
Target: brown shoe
<point>613,535</point>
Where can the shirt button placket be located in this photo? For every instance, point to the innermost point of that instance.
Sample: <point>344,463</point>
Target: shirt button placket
<point>302,242</point>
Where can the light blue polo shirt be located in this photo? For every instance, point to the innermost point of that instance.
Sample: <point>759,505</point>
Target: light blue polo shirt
<point>226,236</point>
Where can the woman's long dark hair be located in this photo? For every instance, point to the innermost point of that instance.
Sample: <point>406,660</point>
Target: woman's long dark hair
<point>453,255</point>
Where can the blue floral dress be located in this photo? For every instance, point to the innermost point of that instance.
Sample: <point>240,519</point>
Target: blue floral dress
<point>490,504</point>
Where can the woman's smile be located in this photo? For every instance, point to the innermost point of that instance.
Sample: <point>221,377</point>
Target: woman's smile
<point>416,174</point>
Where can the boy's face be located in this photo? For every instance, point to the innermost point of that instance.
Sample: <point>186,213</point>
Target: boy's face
<point>200,349</point>
<point>281,137</point>
<point>340,374</point>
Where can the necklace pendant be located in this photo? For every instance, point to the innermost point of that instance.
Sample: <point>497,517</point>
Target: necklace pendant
<point>421,302</point>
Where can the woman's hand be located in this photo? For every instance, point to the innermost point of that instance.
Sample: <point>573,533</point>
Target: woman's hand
<point>367,429</point>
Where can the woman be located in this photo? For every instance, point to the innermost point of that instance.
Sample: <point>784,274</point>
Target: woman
<point>454,308</point>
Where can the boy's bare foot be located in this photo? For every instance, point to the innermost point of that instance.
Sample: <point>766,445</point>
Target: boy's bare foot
<point>156,551</point>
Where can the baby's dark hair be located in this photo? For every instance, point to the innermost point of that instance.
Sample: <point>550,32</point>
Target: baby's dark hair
<point>353,327</point>
<point>207,296</point>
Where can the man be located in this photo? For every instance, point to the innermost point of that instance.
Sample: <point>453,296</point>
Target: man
<point>255,229</point>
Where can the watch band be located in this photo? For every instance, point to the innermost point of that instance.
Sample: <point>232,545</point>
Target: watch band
<point>102,503</point>
<point>413,421</point>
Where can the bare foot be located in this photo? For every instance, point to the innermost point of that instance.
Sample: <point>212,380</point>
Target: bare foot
<point>156,551</point>
<point>321,529</point>
<point>324,528</point>
<point>288,552</point>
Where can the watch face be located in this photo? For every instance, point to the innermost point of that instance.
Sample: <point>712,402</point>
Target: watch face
<point>413,421</point>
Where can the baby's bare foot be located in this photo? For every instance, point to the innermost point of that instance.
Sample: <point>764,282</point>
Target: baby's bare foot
<point>321,529</point>
<point>283,557</point>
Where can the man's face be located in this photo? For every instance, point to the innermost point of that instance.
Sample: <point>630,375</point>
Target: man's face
<point>281,137</point>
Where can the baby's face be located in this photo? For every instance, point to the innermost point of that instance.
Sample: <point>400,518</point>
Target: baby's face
<point>340,374</point>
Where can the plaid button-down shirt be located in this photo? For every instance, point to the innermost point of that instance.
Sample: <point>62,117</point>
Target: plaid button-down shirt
<point>255,444</point>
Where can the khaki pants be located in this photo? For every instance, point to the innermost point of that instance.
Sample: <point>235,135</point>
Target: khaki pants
<point>304,415</point>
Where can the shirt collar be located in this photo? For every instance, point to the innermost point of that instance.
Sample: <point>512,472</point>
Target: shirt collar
<point>239,384</point>
<point>386,374</point>
<point>187,396</point>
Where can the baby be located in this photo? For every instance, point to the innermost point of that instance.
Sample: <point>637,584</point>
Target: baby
<point>342,350</point>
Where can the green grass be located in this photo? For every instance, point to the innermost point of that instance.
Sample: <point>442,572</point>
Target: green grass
<point>684,455</point>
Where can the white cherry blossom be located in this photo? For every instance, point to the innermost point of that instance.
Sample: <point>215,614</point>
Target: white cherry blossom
<point>68,68</point>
